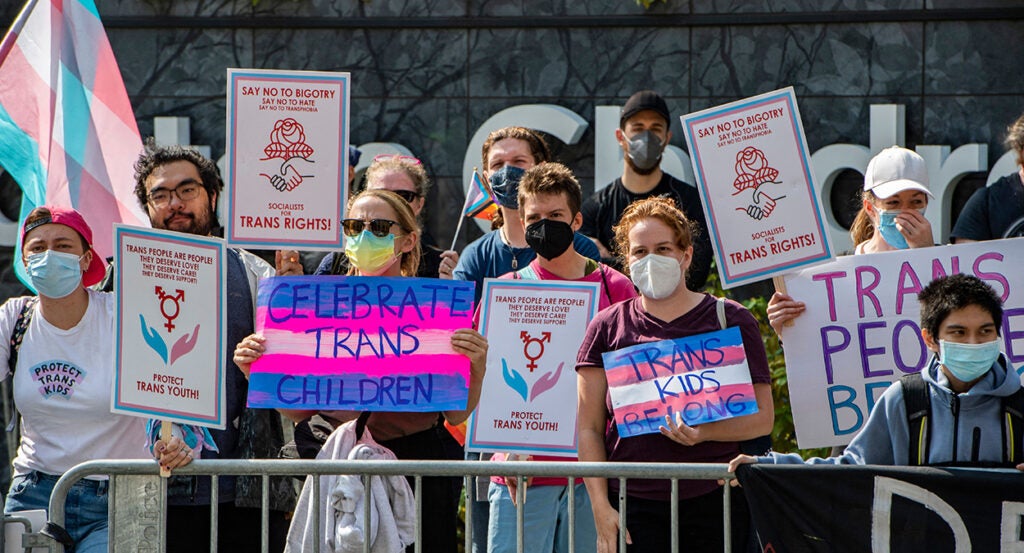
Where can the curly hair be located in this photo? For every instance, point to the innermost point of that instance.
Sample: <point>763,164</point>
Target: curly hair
<point>1015,139</point>
<point>154,156</point>
<point>662,209</point>
<point>945,295</point>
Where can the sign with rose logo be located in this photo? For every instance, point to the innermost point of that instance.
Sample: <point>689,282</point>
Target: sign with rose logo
<point>754,175</point>
<point>286,175</point>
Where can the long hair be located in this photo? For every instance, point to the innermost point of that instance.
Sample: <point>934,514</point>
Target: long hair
<point>862,228</point>
<point>405,219</point>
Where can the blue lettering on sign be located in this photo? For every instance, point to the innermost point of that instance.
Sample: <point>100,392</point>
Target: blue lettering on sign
<point>355,393</point>
<point>357,343</point>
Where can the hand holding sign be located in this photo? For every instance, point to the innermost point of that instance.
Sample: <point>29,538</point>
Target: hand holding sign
<point>678,431</point>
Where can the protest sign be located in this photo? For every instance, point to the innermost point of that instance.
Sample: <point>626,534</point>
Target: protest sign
<point>853,509</point>
<point>287,169</point>
<point>361,343</point>
<point>705,377</point>
<point>861,329</point>
<point>170,326</point>
<point>754,176</point>
<point>528,400</point>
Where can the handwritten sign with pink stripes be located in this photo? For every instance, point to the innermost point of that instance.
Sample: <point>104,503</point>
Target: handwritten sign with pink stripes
<point>705,377</point>
<point>361,344</point>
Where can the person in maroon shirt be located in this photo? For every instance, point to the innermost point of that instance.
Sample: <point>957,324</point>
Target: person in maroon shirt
<point>655,240</point>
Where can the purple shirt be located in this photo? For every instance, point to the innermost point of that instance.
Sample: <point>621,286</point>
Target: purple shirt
<point>627,324</point>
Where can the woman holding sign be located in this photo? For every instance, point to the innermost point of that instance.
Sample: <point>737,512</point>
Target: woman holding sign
<point>656,240</point>
<point>382,239</point>
<point>61,355</point>
<point>891,217</point>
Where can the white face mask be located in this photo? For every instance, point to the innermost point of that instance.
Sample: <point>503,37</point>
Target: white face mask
<point>656,276</point>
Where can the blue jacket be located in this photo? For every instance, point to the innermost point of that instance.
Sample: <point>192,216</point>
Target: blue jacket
<point>884,440</point>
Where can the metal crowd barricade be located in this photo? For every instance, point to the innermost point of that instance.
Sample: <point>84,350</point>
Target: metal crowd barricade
<point>138,495</point>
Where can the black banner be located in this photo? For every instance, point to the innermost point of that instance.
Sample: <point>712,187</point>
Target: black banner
<point>876,509</point>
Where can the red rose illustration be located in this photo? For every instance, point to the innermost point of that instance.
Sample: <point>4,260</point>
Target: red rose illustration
<point>288,140</point>
<point>752,169</point>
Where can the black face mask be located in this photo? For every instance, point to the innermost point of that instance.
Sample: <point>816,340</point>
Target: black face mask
<point>549,238</point>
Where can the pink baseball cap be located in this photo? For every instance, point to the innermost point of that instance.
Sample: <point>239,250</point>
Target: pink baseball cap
<point>73,219</point>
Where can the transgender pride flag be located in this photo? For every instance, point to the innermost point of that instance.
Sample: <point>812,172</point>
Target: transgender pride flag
<point>67,132</point>
<point>705,377</point>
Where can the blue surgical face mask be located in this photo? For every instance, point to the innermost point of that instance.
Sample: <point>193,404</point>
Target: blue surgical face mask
<point>968,362</point>
<point>887,228</point>
<point>505,185</point>
<point>54,274</point>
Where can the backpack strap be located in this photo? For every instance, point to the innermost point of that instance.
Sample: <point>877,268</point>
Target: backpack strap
<point>720,310</point>
<point>527,273</point>
<point>18,334</point>
<point>917,399</point>
<point>1013,426</point>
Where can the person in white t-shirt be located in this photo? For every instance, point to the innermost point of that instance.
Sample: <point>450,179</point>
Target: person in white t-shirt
<point>62,377</point>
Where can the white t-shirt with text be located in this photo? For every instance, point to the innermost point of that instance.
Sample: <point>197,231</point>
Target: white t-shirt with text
<point>62,388</point>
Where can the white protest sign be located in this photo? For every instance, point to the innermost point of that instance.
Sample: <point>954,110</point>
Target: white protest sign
<point>861,329</point>
<point>753,172</point>
<point>170,326</point>
<point>287,169</point>
<point>528,400</point>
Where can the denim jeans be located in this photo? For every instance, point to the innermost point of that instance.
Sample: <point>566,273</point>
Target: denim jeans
<point>545,520</point>
<point>85,511</point>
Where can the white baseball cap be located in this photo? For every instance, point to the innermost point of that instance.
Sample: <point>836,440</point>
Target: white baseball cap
<point>894,170</point>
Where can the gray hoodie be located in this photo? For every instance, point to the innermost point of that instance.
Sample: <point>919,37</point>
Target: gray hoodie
<point>974,415</point>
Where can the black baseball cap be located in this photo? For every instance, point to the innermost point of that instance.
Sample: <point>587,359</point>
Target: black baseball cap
<point>641,101</point>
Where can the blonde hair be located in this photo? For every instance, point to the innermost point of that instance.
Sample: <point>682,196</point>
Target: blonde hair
<point>1015,138</point>
<point>863,228</point>
<point>405,219</point>
<point>399,164</point>
<point>661,209</point>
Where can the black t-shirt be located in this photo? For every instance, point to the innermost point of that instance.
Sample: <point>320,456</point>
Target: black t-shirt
<point>991,210</point>
<point>603,210</point>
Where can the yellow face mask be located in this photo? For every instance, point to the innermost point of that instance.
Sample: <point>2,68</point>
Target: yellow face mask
<point>372,255</point>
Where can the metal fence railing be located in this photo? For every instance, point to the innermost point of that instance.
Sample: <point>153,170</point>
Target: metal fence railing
<point>138,494</point>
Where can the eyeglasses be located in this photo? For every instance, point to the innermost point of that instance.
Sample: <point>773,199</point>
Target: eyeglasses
<point>379,227</point>
<point>162,196</point>
<point>409,196</point>
<point>410,159</point>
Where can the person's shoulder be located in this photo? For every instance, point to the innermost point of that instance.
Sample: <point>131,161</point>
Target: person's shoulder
<point>13,307</point>
<point>604,194</point>
<point>479,246</point>
<point>585,246</point>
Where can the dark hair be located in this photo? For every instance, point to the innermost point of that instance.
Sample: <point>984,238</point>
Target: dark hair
<point>551,179</point>
<point>944,295</point>
<point>155,156</point>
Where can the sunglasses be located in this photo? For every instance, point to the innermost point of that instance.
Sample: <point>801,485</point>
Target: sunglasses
<point>409,196</point>
<point>378,227</point>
